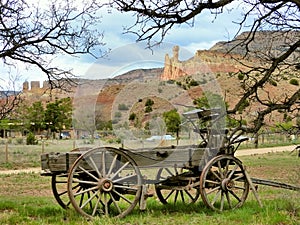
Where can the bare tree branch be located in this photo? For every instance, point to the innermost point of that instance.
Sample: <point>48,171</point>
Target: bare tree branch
<point>33,36</point>
<point>10,97</point>
<point>277,22</point>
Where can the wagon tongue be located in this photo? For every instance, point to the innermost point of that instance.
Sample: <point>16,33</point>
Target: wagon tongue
<point>275,184</point>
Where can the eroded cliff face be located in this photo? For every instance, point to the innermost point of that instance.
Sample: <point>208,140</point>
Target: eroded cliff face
<point>263,44</point>
<point>203,62</point>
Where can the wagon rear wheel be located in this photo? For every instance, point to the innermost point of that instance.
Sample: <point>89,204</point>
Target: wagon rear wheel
<point>223,184</point>
<point>172,188</point>
<point>104,181</point>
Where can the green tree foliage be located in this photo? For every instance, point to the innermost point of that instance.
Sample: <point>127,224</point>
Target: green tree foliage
<point>58,115</point>
<point>209,100</point>
<point>212,100</point>
<point>30,139</point>
<point>285,126</point>
<point>104,125</point>
<point>148,105</point>
<point>172,120</point>
<point>244,105</point>
<point>35,117</point>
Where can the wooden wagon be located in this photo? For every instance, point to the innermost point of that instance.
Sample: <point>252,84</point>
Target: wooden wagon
<point>112,181</point>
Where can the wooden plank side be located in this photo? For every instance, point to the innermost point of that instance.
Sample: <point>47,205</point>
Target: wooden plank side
<point>58,162</point>
<point>182,156</point>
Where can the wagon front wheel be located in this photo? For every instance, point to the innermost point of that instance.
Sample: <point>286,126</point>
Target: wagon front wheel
<point>223,184</point>
<point>110,183</point>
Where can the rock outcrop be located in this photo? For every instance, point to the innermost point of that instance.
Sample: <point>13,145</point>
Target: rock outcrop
<point>203,62</point>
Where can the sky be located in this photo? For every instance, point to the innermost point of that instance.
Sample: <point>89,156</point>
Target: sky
<point>207,31</point>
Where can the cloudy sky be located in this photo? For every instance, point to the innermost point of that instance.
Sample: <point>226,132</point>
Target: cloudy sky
<point>207,31</point>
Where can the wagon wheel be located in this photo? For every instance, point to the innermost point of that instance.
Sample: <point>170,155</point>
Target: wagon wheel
<point>59,184</point>
<point>176,192</point>
<point>59,189</point>
<point>104,181</point>
<point>223,184</point>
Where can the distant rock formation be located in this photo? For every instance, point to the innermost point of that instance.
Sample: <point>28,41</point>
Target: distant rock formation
<point>264,43</point>
<point>204,61</point>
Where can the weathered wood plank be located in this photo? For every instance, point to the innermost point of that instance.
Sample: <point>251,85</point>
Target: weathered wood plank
<point>58,162</point>
<point>181,156</point>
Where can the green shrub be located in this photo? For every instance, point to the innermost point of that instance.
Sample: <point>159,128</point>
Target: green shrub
<point>148,109</point>
<point>294,82</point>
<point>132,116</point>
<point>241,76</point>
<point>149,102</point>
<point>122,107</point>
<point>31,140</point>
<point>178,83</point>
<point>118,114</point>
<point>193,83</point>
<point>273,82</point>
<point>170,81</point>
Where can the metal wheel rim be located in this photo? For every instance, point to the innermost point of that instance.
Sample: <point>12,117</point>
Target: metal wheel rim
<point>104,190</point>
<point>223,184</point>
<point>60,193</point>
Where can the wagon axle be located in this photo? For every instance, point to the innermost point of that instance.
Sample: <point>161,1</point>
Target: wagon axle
<point>227,184</point>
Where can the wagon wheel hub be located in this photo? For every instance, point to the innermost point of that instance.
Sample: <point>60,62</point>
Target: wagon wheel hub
<point>227,184</point>
<point>105,185</point>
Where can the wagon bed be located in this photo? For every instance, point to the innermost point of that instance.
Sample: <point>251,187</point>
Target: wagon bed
<point>183,156</point>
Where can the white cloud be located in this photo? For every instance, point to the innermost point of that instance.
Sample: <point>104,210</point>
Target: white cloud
<point>204,34</point>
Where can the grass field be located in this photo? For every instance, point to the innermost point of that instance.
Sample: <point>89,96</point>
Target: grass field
<point>28,199</point>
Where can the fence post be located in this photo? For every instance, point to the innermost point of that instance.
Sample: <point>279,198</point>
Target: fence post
<point>6,152</point>
<point>256,140</point>
<point>43,146</point>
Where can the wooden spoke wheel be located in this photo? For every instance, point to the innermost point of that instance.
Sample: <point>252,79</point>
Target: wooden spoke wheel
<point>59,185</point>
<point>59,189</point>
<point>104,181</point>
<point>175,186</point>
<point>223,184</point>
